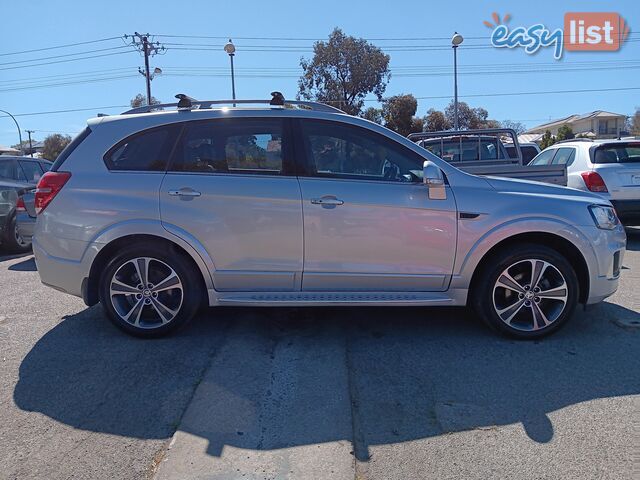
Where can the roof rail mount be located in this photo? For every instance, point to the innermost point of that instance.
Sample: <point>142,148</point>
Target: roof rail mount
<point>186,103</point>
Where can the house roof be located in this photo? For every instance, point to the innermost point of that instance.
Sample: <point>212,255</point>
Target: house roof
<point>574,118</point>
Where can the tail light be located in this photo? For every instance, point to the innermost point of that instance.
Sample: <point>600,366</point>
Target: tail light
<point>594,182</point>
<point>20,206</point>
<point>48,187</point>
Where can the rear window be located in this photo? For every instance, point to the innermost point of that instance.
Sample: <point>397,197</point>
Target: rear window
<point>68,150</point>
<point>617,153</point>
<point>144,151</point>
<point>528,154</point>
<point>465,149</point>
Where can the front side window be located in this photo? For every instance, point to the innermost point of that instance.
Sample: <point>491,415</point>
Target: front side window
<point>246,146</point>
<point>343,151</point>
<point>544,157</point>
<point>145,151</point>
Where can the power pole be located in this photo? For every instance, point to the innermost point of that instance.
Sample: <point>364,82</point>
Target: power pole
<point>148,48</point>
<point>30,144</point>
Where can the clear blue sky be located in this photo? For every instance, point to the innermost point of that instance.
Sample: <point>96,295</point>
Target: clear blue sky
<point>421,67</point>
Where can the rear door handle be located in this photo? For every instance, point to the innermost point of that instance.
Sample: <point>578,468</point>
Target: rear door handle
<point>328,201</point>
<point>184,192</point>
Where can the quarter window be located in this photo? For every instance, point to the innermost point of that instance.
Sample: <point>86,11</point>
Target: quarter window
<point>146,151</point>
<point>343,151</point>
<point>251,146</point>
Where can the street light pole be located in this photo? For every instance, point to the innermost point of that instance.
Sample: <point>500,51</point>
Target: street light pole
<point>30,144</point>
<point>18,126</point>
<point>230,48</point>
<point>456,40</point>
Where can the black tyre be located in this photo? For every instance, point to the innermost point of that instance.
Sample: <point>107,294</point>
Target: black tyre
<point>526,291</point>
<point>12,240</point>
<point>150,290</point>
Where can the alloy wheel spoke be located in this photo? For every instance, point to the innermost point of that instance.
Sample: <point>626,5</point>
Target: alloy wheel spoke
<point>171,281</point>
<point>507,314</point>
<point>142,269</point>
<point>538,267</point>
<point>137,309</point>
<point>556,293</point>
<point>538,317</point>
<point>163,310</point>
<point>120,288</point>
<point>507,281</point>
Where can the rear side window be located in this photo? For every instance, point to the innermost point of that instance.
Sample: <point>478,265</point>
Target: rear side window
<point>68,150</point>
<point>617,153</point>
<point>145,151</point>
<point>247,146</point>
<point>564,156</point>
<point>8,169</point>
<point>32,170</point>
<point>544,157</point>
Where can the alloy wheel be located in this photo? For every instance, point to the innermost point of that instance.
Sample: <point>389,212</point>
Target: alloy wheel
<point>146,292</point>
<point>530,295</point>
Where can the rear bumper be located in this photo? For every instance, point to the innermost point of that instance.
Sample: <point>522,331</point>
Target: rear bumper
<point>26,225</point>
<point>61,274</point>
<point>628,211</point>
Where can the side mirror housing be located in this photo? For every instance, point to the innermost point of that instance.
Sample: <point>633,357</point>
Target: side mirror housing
<point>434,180</point>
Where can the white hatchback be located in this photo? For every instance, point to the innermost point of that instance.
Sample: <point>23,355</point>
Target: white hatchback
<point>610,168</point>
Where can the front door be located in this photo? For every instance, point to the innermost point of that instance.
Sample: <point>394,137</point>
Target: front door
<point>231,187</point>
<point>369,224</point>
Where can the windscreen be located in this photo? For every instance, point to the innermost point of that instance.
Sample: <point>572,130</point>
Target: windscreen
<point>617,153</point>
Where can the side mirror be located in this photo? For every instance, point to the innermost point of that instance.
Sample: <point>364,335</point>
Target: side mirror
<point>434,180</point>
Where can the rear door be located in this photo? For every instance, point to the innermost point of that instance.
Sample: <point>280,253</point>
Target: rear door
<point>231,186</point>
<point>369,224</point>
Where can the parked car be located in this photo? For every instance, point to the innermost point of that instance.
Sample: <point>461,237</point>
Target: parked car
<point>17,174</point>
<point>26,215</point>
<point>528,151</point>
<point>483,152</point>
<point>610,168</point>
<point>155,213</point>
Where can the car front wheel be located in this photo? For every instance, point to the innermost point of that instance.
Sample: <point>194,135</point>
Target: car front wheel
<point>527,292</point>
<point>148,292</point>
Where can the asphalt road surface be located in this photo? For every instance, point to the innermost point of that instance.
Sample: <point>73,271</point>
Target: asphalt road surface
<point>358,393</point>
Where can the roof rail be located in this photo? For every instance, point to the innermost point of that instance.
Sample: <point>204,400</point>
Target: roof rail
<point>581,139</point>
<point>187,103</point>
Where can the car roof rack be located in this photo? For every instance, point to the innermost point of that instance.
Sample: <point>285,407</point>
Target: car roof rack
<point>581,139</point>
<point>186,103</point>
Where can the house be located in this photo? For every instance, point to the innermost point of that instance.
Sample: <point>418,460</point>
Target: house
<point>596,124</point>
<point>8,150</point>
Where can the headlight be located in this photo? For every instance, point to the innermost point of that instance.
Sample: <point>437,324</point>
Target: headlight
<point>605,217</point>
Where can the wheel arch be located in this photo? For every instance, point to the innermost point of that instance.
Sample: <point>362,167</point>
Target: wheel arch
<point>551,240</point>
<point>91,285</point>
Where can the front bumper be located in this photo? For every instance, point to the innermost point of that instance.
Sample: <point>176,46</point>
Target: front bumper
<point>609,248</point>
<point>628,211</point>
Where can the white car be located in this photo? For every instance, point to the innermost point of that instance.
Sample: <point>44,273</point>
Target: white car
<point>610,168</point>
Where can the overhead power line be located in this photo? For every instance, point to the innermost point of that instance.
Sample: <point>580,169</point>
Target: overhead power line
<point>60,46</point>
<point>67,60</point>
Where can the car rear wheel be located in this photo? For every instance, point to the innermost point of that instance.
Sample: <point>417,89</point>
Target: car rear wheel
<point>149,292</point>
<point>527,292</point>
<point>13,241</point>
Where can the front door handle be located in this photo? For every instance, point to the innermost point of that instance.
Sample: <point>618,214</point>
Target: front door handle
<point>327,201</point>
<point>184,192</point>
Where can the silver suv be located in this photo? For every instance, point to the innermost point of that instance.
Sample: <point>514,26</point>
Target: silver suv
<point>155,213</point>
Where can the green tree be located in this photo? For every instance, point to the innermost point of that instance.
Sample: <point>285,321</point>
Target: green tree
<point>564,133</point>
<point>54,144</point>
<point>140,100</point>
<point>518,127</point>
<point>547,140</point>
<point>436,121</point>
<point>343,71</point>
<point>399,114</point>
<point>468,118</point>
<point>373,114</point>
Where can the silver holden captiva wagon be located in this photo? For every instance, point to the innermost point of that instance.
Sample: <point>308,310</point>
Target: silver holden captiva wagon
<point>163,209</point>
